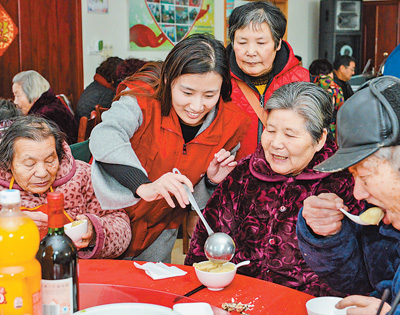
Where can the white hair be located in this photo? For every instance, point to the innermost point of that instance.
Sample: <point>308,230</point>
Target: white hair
<point>32,83</point>
<point>392,154</point>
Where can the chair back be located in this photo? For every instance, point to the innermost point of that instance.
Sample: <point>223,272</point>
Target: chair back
<point>85,126</point>
<point>99,111</point>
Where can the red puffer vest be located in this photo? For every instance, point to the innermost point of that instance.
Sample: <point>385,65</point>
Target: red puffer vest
<point>292,72</point>
<point>160,147</point>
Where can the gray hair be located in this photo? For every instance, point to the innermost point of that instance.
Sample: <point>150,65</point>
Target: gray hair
<point>308,100</point>
<point>32,83</point>
<point>30,127</point>
<point>391,154</point>
<point>257,13</point>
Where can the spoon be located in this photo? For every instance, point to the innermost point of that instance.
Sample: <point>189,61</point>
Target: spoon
<point>219,247</point>
<point>242,263</point>
<point>354,218</point>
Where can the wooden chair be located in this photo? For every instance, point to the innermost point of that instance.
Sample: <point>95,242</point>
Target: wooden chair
<point>99,111</point>
<point>85,126</point>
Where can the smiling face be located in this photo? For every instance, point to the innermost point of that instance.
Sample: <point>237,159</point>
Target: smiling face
<point>378,182</point>
<point>35,164</point>
<point>194,95</point>
<point>288,146</point>
<point>20,99</point>
<point>255,49</point>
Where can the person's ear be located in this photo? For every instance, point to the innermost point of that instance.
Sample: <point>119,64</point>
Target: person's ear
<point>279,46</point>
<point>322,140</point>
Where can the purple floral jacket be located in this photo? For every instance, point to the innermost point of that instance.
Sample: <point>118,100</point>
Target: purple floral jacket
<point>258,208</point>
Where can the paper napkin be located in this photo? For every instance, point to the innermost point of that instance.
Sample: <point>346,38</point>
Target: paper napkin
<point>200,308</point>
<point>160,271</point>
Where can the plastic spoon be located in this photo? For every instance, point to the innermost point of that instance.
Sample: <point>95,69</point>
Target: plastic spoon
<point>242,263</point>
<point>354,218</point>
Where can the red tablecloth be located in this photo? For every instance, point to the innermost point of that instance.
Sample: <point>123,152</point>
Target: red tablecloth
<point>267,297</point>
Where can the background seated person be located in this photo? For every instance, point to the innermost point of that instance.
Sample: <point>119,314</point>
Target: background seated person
<point>128,67</point>
<point>321,71</point>
<point>177,116</point>
<point>8,111</point>
<point>35,159</point>
<point>352,258</point>
<point>343,69</point>
<point>33,96</point>
<point>258,202</point>
<point>260,60</point>
<point>101,91</point>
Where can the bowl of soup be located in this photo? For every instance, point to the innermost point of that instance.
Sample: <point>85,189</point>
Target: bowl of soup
<point>215,276</point>
<point>76,229</point>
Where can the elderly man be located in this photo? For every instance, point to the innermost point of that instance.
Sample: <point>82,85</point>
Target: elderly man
<point>343,70</point>
<point>352,258</point>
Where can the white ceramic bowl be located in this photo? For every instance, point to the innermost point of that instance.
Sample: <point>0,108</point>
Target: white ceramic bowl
<point>324,305</point>
<point>215,281</point>
<point>76,232</point>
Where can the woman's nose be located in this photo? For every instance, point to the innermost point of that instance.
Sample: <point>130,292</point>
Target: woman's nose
<point>277,142</point>
<point>251,50</point>
<point>197,104</point>
<point>40,171</point>
<point>359,192</point>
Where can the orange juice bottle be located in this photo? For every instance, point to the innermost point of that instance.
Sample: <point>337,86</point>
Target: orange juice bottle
<point>20,272</point>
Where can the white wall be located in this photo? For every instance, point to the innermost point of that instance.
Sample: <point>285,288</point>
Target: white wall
<point>303,29</point>
<point>113,29</point>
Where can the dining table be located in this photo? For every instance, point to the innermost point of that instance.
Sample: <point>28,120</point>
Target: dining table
<point>106,281</point>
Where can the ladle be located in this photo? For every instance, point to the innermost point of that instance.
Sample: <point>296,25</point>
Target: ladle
<point>219,247</point>
<point>354,218</point>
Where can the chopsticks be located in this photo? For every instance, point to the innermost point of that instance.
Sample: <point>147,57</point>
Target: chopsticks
<point>394,304</point>
<point>385,296</point>
<point>200,287</point>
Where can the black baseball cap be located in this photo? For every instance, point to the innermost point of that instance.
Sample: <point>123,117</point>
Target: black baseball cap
<point>367,121</point>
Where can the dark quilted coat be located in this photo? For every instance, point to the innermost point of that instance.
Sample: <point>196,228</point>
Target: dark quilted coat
<point>50,107</point>
<point>258,208</point>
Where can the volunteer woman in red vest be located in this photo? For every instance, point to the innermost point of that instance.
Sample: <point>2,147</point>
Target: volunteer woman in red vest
<point>261,62</point>
<point>180,117</point>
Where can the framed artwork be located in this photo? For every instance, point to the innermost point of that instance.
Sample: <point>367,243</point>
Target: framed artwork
<point>97,6</point>
<point>160,24</point>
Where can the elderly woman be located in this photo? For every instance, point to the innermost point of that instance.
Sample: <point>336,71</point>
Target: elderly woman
<point>33,95</point>
<point>258,202</point>
<point>261,61</point>
<point>352,258</point>
<point>35,159</point>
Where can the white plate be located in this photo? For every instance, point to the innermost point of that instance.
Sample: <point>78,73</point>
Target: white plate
<point>128,309</point>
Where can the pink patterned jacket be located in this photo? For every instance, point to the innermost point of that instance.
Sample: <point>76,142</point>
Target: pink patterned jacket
<point>258,208</point>
<point>73,180</point>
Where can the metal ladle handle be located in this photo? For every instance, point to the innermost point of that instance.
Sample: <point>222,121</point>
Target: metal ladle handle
<point>195,205</point>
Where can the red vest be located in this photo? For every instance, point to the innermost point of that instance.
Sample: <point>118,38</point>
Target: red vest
<point>160,147</point>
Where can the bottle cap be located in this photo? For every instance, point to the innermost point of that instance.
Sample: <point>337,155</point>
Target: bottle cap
<point>10,196</point>
<point>55,202</point>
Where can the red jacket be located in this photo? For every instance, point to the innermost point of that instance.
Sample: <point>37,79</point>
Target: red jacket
<point>286,69</point>
<point>160,147</point>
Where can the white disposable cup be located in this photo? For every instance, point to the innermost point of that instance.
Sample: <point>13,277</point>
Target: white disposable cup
<point>324,305</point>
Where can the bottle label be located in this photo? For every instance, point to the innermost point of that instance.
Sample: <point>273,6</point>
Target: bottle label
<point>3,295</point>
<point>57,297</point>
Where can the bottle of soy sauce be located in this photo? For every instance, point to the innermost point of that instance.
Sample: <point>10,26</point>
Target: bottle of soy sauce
<point>58,257</point>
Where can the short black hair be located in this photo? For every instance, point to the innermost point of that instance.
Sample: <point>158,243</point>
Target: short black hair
<point>343,60</point>
<point>320,66</point>
<point>8,109</point>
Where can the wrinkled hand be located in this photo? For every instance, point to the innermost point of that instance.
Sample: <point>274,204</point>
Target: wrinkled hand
<point>365,305</point>
<point>167,185</point>
<point>89,238</point>
<point>322,213</point>
<point>41,220</point>
<point>220,166</point>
